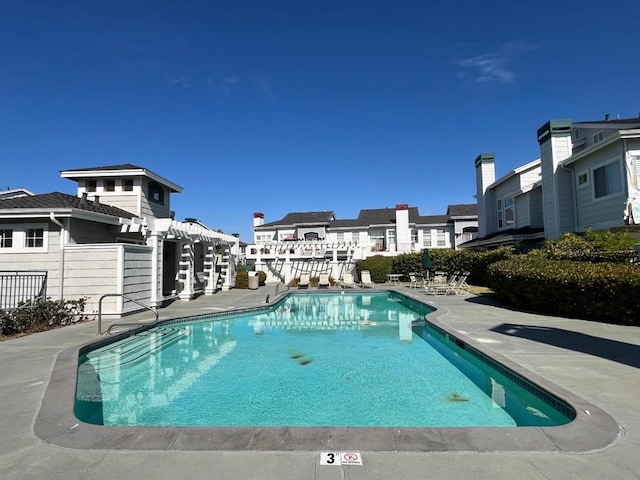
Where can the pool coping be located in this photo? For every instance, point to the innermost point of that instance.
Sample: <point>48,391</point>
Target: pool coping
<point>593,429</point>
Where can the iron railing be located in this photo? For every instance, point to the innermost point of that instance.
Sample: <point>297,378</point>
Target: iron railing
<point>22,288</point>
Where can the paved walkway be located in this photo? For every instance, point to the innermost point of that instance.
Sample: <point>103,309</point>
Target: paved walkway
<point>597,362</point>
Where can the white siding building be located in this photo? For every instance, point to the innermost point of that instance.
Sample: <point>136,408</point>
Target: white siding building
<point>315,242</point>
<point>115,237</point>
<point>587,176</point>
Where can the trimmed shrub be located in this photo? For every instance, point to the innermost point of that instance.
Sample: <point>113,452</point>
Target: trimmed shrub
<point>378,265</point>
<point>262,278</point>
<point>449,260</point>
<point>242,279</point>
<point>31,318</point>
<point>603,291</point>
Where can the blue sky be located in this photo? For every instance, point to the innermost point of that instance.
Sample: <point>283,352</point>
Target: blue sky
<point>291,106</point>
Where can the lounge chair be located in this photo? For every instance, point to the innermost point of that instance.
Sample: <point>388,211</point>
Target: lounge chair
<point>324,281</point>
<point>347,281</point>
<point>456,285</point>
<point>305,280</point>
<point>365,279</point>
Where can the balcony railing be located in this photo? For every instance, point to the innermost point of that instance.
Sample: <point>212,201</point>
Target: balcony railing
<point>22,288</point>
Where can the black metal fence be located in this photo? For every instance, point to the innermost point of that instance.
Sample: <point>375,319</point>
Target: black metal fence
<point>22,287</point>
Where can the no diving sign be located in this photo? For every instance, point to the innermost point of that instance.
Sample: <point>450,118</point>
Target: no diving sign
<point>340,458</point>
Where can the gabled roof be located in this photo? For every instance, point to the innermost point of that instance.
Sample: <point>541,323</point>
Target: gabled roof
<point>57,200</point>
<point>123,170</point>
<point>14,192</point>
<point>504,237</point>
<point>463,210</point>
<point>617,121</point>
<point>384,216</point>
<point>300,218</point>
<point>371,217</point>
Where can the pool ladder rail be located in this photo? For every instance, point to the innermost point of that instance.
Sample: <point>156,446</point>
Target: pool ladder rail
<point>123,324</point>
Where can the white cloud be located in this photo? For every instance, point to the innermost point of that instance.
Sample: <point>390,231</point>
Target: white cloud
<point>180,81</point>
<point>495,66</point>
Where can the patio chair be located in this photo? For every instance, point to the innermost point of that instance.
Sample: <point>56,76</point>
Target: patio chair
<point>324,281</point>
<point>421,281</point>
<point>413,280</point>
<point>459,286</point>
<point>347,280</point>
<point>365,279</point>
<point>305,280</point>
<point>439,286</point>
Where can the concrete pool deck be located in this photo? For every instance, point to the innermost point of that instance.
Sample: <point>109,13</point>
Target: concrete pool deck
<point>598,363</point>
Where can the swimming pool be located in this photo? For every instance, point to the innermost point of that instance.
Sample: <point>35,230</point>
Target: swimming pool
<point>311,360</point>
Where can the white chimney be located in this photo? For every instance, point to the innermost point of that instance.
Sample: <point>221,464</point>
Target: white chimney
<point>554,138</point>
<point>403,234</point>
<point>258,219</point>
<point>485,176</point>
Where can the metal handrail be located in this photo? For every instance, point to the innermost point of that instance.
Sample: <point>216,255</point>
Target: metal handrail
<point>123,324</point>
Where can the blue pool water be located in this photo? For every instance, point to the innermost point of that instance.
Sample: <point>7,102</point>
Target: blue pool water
<point>351,359</point>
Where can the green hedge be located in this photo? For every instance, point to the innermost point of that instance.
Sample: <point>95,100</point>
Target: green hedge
<point>378,265</point>
<point>449,260</point>
<point>30,318</point>
<point>602,291</point>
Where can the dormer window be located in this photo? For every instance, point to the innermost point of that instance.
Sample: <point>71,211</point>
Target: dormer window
<point>109,185</point>
<point>156,193</point>
<point>91,185</point>
<point>598,136</point>
<point>127,185</point>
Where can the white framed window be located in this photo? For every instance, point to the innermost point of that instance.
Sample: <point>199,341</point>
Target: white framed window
<point>499,213</point>
<point>23,238</point>
<point>377,238</point>
<point>441,235</point>
<point>576,133</point>
<point>110,185</point>
<point>127,185</point>
<point>509,212</point>
<point>414,236</point>
<point>34,238</point>
<point>598,136</point>
<point>6,238</point>
<point>340,236</point>
<point>426,239</point>
<point>607,180</point>
<point>582,179</point>
<point>635,167</point>
<point>91,186</point>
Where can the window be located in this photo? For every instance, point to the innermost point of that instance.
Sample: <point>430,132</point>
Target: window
<point>499,212</point>
<point>598,136</point>
<point>414,236</point>
<point>426,239</point>
<point>156,193</point>
<point>6,238</point>
<point>378,240</point>
<point>583,179</point>
<point>442,238</point>
<point>509,212</point>
<point>34,238</point>
<point>91,185</point>
<point>340,236</point>
<point>109,185</point>
<point>127,185</point>
<point>607,180</point>
<point>576,133</point>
